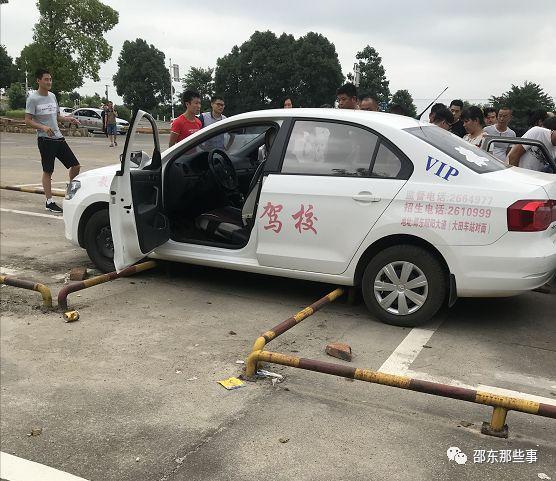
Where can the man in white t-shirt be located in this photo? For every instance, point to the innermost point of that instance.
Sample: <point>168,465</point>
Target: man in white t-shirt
<point>501,129</point>
<point>530,156</point>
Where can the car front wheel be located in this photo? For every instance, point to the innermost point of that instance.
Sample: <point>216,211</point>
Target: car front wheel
<point>98,241</point>
<point>404,285</point>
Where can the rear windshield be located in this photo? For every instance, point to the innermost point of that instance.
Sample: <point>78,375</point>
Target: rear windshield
<point>464,152</point>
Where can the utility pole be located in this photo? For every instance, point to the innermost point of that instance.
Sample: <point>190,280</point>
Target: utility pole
<point>171,90</point>
<point>106,92</point>
<point>356,74</point>
<point>26,85</point>
<point>174,77</point>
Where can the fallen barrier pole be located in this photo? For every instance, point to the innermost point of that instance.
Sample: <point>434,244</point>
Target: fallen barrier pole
<point>34,190</point>
<point>30,285</point>
<point>284,326</point>
<point>93,281</point>
<point>501,404</point>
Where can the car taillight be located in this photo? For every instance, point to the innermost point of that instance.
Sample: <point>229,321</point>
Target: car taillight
<point>531,215</point>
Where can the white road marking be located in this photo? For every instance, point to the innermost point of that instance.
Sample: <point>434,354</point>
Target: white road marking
<point>13,468</point>
<point>34,214</point>
<point>408,350</point>
<point>481,387</point>
<point>7,271</point>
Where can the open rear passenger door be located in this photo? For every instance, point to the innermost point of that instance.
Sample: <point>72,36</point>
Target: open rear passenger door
<point>137,220</point>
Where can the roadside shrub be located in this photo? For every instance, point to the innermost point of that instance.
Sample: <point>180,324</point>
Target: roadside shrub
<point>15,114</point>
<point>123,112</point>
<point>16,95</point>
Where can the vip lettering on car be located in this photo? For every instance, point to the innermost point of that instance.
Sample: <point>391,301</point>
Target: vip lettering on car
<point>440,171</point>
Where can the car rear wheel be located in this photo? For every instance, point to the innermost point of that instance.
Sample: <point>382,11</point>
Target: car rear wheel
<point>98,241</point>
<point>404,285</point>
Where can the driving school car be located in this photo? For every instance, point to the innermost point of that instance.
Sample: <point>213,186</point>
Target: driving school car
<point>407,212</point>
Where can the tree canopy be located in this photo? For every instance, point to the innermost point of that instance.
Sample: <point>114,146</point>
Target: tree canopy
<point>9,72</point>
<point>69,40</point>
<point>201,80</point>
<point>405,100</point>
<point>266,69</point>
<point>142,78</point>
<point>16,96</point>
<point>523,100</point>
<point>372,74</point>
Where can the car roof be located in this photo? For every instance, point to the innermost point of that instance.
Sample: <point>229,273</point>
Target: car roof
<point>90,108</point>
<point>357,116</point>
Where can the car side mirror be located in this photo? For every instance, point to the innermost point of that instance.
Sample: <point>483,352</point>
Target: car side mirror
<point>139,158</point>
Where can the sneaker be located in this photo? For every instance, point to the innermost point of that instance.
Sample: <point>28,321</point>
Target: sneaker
<point>115,143</point>
<point>111,145</point>
<point>53,207</point>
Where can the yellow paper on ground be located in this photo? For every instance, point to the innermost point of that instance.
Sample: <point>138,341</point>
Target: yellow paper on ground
<point>232,383</point>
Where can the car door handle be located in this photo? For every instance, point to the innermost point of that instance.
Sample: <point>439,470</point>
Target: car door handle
<point>365,197</point>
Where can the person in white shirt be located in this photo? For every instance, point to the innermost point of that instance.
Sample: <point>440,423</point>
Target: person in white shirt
<point>530,156</point>
<point>501,129</point>
<point>473,123</point>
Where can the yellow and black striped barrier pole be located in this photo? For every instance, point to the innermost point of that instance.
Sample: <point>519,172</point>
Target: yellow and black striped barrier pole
<point>94,281</point>
<point>284,326</point>
<point>33,190</point>
<point>501,404</point>
<point>30,285</point>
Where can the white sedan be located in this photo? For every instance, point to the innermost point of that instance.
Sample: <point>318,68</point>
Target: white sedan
<point>407,212</point>
<point>92,119</point>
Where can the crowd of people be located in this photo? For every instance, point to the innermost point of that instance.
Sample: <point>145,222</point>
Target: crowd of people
<point>472,123</point>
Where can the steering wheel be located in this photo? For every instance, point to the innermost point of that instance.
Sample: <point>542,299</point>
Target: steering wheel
<point>222,169</point>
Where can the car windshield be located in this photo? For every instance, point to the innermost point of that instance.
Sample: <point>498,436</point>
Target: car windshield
<point>464,152</point>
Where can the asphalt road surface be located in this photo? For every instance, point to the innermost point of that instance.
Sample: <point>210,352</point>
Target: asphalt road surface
<point>129,392</point>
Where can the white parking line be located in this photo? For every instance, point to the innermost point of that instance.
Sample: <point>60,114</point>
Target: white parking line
<point>13,468</point>
<point>399,361</point>
<point>7,271</point>
<point>423,376</point>
<point>33,214</point>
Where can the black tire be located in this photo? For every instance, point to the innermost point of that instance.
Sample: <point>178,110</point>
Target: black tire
<point>427,296</point>
<point>98,241</point>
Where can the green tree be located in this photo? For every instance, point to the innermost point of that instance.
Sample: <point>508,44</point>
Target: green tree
<point>201,80</point>
<point>404,98</point>
<point>16,96</point>
<point>523,100</point>
<point>316,70</point>
<point>69,99</point>
<point>94,101</point>
<point>265,69</point>
<point>246,76</point>
<point>372,74</point>
<point>142,78</point>
<point>123,112</point>
<point>69,40</point>
<point>8,70</point>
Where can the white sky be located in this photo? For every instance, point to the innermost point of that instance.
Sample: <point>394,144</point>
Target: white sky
<point>478,48</point>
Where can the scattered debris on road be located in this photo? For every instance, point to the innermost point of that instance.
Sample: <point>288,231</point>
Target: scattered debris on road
<point>339,350</point>
<point>78,274</point>
<point>231,383</point>
<point>71,316</point>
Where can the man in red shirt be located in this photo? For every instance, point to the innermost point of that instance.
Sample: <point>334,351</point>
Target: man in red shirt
<point>187,123</point>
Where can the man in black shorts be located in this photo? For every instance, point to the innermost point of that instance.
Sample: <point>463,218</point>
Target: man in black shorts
<point>42,113</point>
